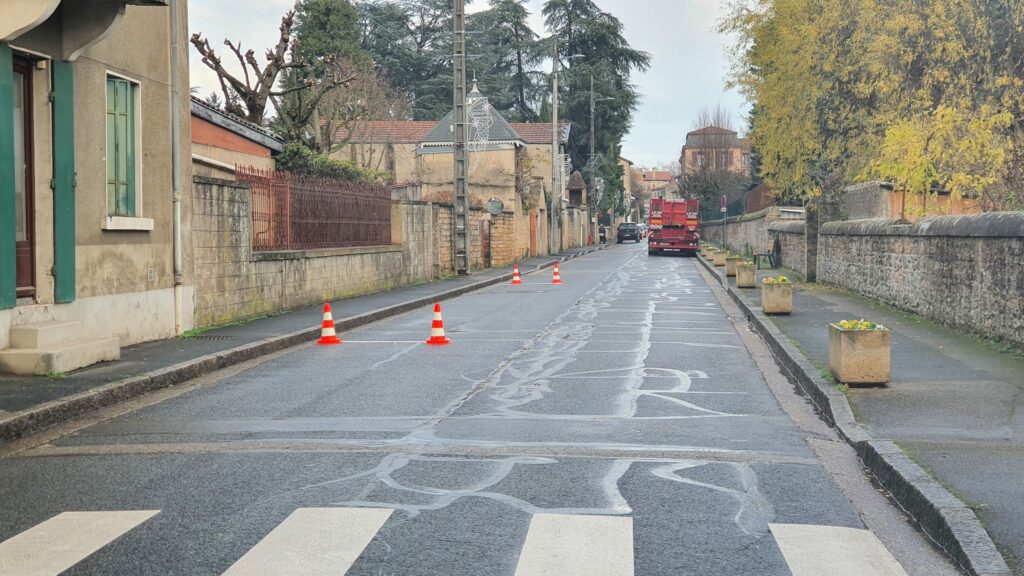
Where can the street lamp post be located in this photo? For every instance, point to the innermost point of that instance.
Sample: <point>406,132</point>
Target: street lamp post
<point>592,205</point>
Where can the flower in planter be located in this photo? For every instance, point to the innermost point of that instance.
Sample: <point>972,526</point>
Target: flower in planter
<point>859,325</point>
<point>775,280</point>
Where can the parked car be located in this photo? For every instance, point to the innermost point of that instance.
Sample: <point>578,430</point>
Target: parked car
<point>627,231</point>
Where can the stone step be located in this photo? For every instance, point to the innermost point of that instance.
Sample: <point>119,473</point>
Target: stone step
<point>45,334</point>
<point>59,358</point>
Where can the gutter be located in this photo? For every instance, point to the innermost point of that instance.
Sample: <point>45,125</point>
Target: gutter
<point>176,167</point>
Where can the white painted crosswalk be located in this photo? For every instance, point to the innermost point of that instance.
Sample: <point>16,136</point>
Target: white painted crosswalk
<point>833,550</point>
<point>65,540</point>
<point>328,541</point>
<point>576,545</point>
<point>313,542</point>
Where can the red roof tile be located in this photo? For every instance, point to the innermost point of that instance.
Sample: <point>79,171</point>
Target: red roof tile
<point>535,132</point>
<point>712,130</point>
<point>403,131</point>
<point>657,175</point>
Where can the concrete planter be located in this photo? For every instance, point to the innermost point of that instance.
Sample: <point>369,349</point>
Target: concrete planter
<point>745,275</point>
<point>718,257</point>
<point>859,356</point>
<point>730,266</point>
<point>777,298</point>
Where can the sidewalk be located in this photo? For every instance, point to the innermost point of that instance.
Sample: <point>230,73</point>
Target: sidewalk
<point>955,405</point>
<point>32,402</point>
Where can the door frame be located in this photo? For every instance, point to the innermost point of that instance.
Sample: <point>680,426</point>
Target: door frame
<point>24,67</point>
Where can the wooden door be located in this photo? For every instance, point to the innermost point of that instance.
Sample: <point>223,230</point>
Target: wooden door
<point>24,205</point>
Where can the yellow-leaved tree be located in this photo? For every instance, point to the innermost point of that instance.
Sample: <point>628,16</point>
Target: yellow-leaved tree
<point>928,94</point>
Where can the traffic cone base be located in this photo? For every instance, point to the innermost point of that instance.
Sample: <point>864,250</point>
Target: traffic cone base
<point>556,278</point>
<point>515,275</point>
<point>327,334</point>
<point>437,337</point>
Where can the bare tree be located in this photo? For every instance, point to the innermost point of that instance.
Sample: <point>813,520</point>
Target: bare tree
<point>248,94</point>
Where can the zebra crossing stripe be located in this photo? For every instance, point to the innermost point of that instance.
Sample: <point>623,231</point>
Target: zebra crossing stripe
<point>577,545</point>
<point>313,542</point>
<point>52,547</point>
<point>833,551</point>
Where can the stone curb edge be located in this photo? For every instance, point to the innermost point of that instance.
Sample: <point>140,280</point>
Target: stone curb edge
<point>22,422</point>
<point>940,515</point>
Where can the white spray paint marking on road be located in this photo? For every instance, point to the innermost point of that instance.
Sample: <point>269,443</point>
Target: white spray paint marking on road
<point>530,376</point>
<point>52,547</point>
<point>755,511</point>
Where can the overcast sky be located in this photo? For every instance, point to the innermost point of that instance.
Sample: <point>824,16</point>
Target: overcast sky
<point>687,73</point>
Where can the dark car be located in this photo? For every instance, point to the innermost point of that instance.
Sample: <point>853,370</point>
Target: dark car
<point>627,231</point>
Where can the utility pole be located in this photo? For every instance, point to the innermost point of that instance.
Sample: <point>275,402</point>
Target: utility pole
<point>592,202</point>
<point>556,158</point>
<point>460,247</point>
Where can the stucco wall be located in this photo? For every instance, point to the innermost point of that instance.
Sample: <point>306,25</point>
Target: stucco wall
<point>964,271</point>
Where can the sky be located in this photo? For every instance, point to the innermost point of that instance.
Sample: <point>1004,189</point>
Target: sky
<point>689,60</point>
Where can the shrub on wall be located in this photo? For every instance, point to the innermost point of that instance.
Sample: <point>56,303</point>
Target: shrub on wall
<point>299,159</point>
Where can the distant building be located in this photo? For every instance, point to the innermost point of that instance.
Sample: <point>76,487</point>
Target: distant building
<point>715,148</point>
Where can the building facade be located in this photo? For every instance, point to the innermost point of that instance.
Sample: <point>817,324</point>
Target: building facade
<point>715,148</point>
<point>91,178</point>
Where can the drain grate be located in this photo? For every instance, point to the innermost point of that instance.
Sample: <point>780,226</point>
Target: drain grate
<point>213,337</point>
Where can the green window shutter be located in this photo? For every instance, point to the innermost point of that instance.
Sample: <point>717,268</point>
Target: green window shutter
<point>63,181</point>
<point>8,285</point>
<point>120,147</point>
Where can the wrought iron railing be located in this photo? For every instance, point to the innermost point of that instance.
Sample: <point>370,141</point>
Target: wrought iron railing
<point>291,212</point>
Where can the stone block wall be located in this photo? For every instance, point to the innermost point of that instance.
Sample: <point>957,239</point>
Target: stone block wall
<point>746,234</point>
<point>964,271</point>
<point>234,283</point>
<point>792,244</point>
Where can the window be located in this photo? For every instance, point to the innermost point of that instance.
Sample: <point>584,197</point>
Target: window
<point>121,146</point>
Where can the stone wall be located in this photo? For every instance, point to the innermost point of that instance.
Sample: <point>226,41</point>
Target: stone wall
<point>234,283</point>
<point>746,234</point>
<point>792,245</point>
<point>964,271</point>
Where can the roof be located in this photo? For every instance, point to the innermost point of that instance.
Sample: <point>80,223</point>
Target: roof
<point>656,175</point>
<point>398,131</point>
<point>626,160</point>
<point>499,132</point>
<point>576,182</point>
<point>708,130</point>
<point>239,126</point>
<point>539,132</point>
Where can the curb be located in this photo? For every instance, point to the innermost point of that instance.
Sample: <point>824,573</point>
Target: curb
<point>940,515</point>
<point>17,424</point>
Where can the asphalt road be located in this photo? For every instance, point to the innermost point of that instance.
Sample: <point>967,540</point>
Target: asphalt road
<point>619,423</point>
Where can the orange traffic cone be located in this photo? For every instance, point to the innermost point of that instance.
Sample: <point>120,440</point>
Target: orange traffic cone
<point>437,336</point>
<point>327,335</point>
<point>555,277</point>
<point>515,274</point>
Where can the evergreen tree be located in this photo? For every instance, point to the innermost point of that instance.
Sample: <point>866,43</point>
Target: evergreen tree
<point>599,49</point>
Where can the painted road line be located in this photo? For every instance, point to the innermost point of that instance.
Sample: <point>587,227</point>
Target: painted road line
<point>833,551</point>
<point>577,545</point>
<point>313,541</point>
<point>66,539</point>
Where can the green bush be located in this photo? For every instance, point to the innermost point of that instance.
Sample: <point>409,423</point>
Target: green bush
<point>299,159</point>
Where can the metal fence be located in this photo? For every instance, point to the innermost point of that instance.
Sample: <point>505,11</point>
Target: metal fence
<point>291,212</point>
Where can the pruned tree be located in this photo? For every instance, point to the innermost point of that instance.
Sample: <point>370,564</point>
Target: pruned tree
<point>251,92</point>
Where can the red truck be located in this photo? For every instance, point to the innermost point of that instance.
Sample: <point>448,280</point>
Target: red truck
<point>674,226</point>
